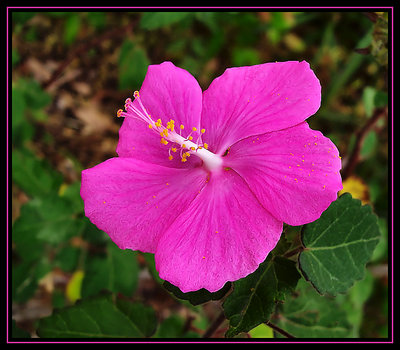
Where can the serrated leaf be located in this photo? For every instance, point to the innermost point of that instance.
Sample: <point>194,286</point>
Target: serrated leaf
<point>310,315</point>
<point>253,298</point>
<point>338,245</point>
<point>198,297</point>
<point>96,317</point>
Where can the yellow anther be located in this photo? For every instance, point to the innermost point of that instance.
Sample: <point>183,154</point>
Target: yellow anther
<point>171,125</point>
<point>164,141</point>
<point>203,131</point>
<point>119,112</point>
<point>158,123</point>
<point>136,94</point>
<point>150,126</point>
<point>192,148</point>
<point>190,138</point>
<point>184,159</point>
<point>182,127</point>
<point>170,157</point>
<point>183,145</point>
<point>194,129</point>
<point>187,154</point>
<point>173,149</point>
<point>205,145</point>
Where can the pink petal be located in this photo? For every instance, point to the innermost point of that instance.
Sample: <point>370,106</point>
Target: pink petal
<point>246,101</point>
<point>223,235</point>
<point>293,172</point>
<point>168,92</point>
<point>134,201</point>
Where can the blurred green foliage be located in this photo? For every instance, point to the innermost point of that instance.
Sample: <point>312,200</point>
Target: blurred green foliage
<point>57,129</point>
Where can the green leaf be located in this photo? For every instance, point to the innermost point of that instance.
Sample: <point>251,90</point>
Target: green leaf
<point>338,245</point>
<point>141,315</point>
<point>97,19</point>
<point>310,315</point>
<point>154,20</point>
<point>174,327</point>
<point>17,332</point>
<point>261,331</point>
<point>198,297</point>
<point>368,98</point>
<point>21,130</point>
<point>33,175</point>
<point>132,65</point>
<point>25,277</point>
<point>36,98</point>
<point>44,220</point>
<point>253,298</point>
<point>97,317</point>
<point>71,28</point>
<point>117,272</point>
<point>242,56</point>
<point>353,302</point>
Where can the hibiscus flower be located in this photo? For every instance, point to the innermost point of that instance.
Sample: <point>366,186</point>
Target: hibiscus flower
<point>205,180</point>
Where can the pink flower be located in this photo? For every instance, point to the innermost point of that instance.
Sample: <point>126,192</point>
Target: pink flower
<point>206,180</point>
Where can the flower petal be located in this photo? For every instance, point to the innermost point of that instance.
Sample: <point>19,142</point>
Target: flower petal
<point>223,235</point>
<point>246,101</point>
<point>294,172</point>
<point>167,92</point>
<point>134,201</point>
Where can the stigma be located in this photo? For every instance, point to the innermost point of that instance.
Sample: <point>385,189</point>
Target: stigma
<point>180,142</point>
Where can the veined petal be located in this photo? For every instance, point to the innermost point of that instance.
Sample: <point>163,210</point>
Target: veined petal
<point>134,201</point>
<point>223,235</point>
<point>167,92</point>
<point>294,172</point>
<point>253,100</point>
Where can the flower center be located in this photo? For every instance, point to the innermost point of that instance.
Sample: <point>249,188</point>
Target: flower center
<point>192,144</point>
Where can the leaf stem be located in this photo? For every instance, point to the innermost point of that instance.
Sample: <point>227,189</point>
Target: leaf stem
<point>279,330</point>
<point>293,252</point>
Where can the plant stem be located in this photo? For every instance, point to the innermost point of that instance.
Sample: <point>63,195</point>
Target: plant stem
<point>279,330</point>
<point>214,325</point>
<point>354,158</point>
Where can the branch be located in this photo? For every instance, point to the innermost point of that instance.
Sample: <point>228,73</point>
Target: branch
<point>85,47</point>
<point>360,136</point>
<point>279,330</point>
